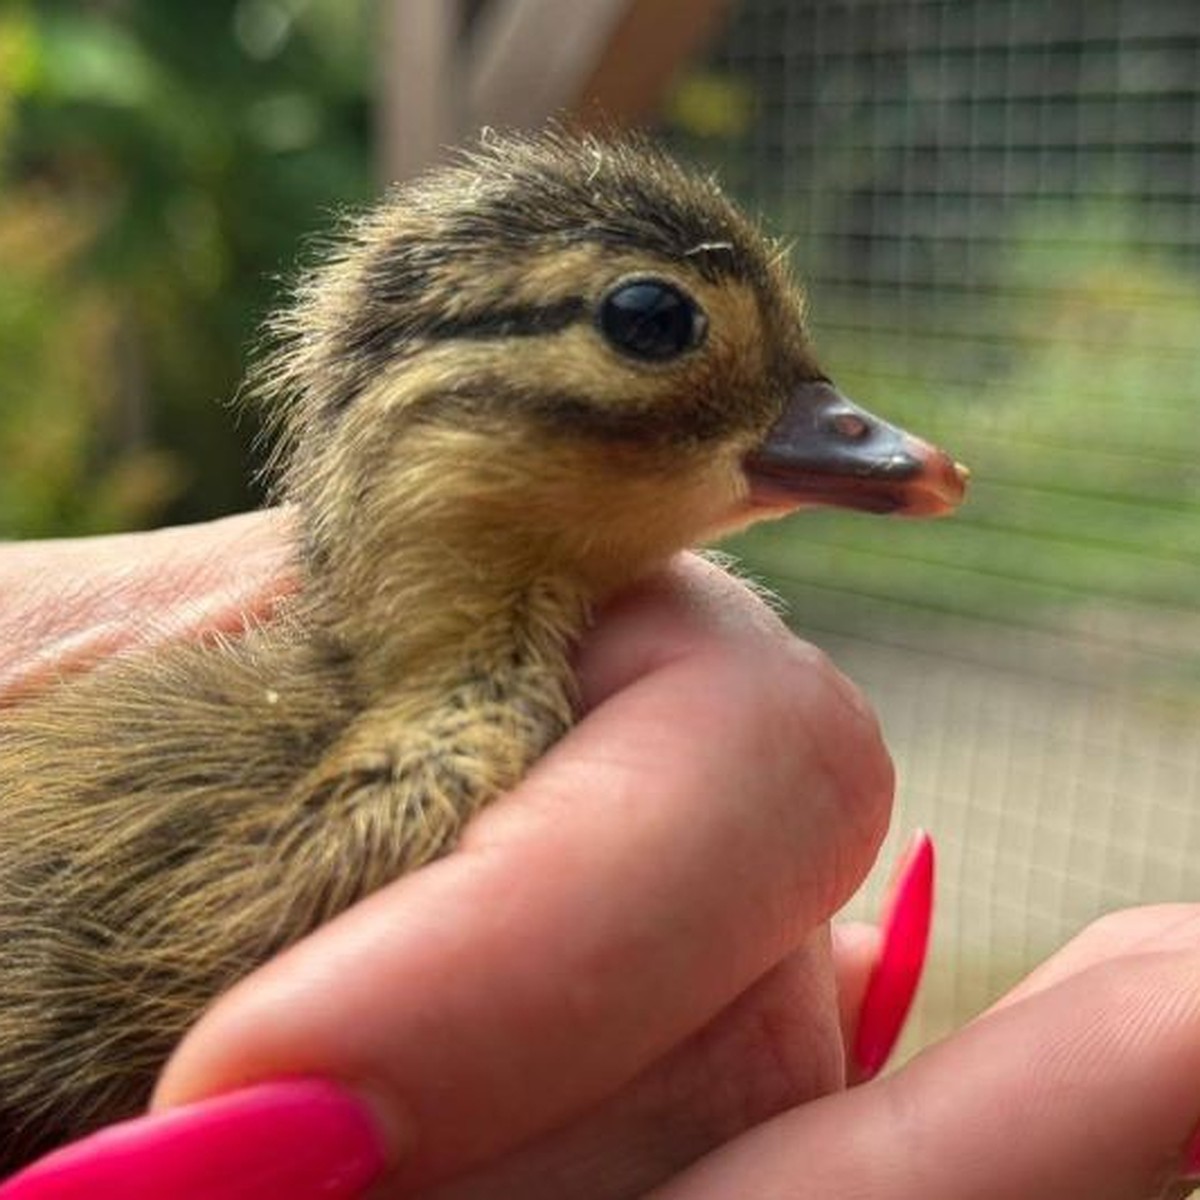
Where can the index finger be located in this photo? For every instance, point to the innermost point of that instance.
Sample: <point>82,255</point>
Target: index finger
<point>723,797</point>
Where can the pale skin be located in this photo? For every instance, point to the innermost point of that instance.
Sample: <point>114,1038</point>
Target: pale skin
<point>640,932</point>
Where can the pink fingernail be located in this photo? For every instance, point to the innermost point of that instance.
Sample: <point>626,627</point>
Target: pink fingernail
<point>907,916</point>
<point>1191,1160</point>
<point>303,1139</point>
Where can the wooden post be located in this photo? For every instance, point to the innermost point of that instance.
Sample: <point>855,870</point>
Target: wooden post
<point>597,62</point>
<point>418,112</point>
<point>528,58</point>
<point>644,54</point>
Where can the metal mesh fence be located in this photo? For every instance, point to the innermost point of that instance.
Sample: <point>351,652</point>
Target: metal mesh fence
<point>996,205</point>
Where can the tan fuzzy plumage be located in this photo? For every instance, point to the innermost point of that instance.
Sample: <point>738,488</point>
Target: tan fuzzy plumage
<point>473,465</point>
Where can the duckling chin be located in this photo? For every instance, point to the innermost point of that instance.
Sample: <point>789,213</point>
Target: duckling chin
<point>511,389</point>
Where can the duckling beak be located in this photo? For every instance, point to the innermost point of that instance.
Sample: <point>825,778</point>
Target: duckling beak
<point>826,450</point>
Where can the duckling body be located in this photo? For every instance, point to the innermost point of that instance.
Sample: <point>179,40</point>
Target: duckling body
<point>247,794</point>
<point>507,393</point>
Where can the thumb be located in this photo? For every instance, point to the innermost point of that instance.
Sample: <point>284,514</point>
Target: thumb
<point>1086,1088</point>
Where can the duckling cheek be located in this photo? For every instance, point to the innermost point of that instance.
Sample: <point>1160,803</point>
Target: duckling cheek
<point>751,511</point>
<point>721,503</point>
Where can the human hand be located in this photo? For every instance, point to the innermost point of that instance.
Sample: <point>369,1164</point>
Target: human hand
<point>1081,1082</point>
<point>623,966</point>
<point>468,1031</point>
<point>589,932</point>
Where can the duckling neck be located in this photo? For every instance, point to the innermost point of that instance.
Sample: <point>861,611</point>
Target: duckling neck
<point>422,619</point>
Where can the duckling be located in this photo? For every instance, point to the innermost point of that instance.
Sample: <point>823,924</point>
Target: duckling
<point>517,385</point>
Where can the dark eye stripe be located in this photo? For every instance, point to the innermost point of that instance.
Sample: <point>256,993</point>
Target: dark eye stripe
<point>571,415</point>
<point>368,346</point>
<point>518,321</point>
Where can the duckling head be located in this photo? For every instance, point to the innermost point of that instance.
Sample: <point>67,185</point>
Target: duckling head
<point>561,356</point>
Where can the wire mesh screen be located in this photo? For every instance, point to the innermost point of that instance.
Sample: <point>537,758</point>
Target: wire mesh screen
<point>995,206</point>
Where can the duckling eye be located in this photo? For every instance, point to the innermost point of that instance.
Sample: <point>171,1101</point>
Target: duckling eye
<point>651,320</point>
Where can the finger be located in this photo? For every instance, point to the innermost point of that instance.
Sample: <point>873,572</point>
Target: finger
<point>671,613</point>
<point>1144,930</point>
<point>69,604</point>
<point>685,838</point>
<point>856,948</point>
<point>774,1047</point>
<point>1086,1088</point>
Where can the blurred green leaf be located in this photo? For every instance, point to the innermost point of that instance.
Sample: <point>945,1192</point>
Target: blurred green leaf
<point>160,165</point>
<point>92,61</point>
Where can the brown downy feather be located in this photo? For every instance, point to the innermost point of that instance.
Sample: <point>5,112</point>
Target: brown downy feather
<point>472,467</point>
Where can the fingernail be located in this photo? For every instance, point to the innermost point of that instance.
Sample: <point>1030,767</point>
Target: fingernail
<point>1191,1160</point>
<point>303,1139</point>
<point>904,928</point>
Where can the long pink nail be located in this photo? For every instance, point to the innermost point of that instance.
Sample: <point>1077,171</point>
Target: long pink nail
<point>303,1140</point>
<point>907,917</point>
<point>1190,1172</point>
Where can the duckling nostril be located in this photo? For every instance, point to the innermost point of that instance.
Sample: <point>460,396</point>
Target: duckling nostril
<point>849,425</point>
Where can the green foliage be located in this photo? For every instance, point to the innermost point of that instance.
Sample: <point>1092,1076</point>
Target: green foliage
<point>54,405</point>
<point>160,164</point>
